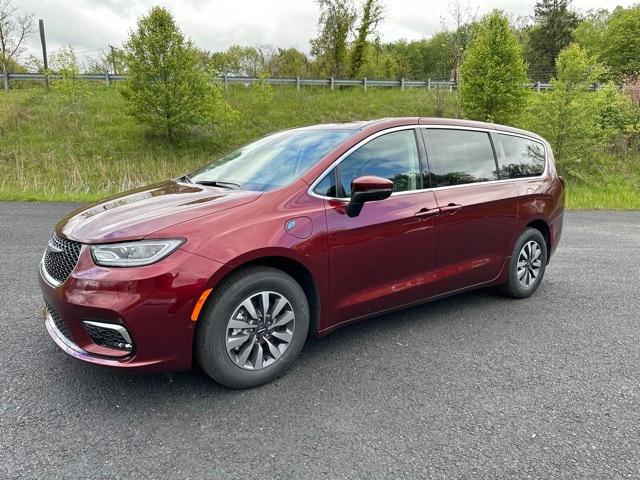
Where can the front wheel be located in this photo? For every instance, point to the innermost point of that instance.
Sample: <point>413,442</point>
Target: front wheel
<point>253,328</point>
<point>527,265</point>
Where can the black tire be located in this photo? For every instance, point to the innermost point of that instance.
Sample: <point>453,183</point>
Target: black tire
<point>513,287</point>
<point>211,332</point>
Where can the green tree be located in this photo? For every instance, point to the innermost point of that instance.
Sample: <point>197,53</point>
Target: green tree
<point>165,87</point>
<point>211,62</point>
<point>590,33</point>
<point>436,57</point>
<point>464,21</point>
<point>380,63</point>
<point>330,47</point>
<point>569,115</point>
<point>242,61</point>
<point>622,45</point>
<point>107,61</point>
<point>372,12</point>
<point>290,63</point>
<point>492,74</point>
<point>422,59</point>
<point>554,26</point>
<point>14,30</point>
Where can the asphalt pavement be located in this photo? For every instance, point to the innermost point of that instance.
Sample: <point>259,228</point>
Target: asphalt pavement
<point>473,386</point>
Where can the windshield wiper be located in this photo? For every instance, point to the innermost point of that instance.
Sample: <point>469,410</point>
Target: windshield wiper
<point>219,183</point>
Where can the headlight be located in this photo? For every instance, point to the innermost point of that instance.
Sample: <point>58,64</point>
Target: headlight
<point>133,254</point>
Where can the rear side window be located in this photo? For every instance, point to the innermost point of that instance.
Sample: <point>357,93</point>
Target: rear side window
<point>460,156</point>
<point>393,156</point>
<point>519,157</point>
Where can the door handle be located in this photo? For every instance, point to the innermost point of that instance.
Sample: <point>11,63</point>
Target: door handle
<point>427,212</point>
<point>451,208</point>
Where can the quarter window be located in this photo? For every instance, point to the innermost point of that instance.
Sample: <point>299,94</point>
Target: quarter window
<point>327,186</point>
<point>460,156</point>
<point>393,155</point>
<point>519,157</point>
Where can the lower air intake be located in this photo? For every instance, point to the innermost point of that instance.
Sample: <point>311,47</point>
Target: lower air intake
<point>109,335</point>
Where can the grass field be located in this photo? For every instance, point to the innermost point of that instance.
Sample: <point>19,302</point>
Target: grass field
<point>50,151</point>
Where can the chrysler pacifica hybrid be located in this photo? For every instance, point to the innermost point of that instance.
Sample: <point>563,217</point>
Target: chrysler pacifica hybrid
<point>299,233</point>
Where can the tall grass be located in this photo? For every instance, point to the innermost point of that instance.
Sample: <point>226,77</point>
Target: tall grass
<point>49,151</point>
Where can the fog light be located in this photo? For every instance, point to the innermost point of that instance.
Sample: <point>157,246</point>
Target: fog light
<point>109,335</point>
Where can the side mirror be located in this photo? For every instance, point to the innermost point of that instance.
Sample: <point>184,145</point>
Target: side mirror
<point>367,189</point>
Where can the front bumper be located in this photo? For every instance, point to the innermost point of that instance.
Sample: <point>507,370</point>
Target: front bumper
<point>152,304</point>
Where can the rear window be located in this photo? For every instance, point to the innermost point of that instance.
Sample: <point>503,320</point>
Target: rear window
<point>519,157</point>
<point>460,156</point>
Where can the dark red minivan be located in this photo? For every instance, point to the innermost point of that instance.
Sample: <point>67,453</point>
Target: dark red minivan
<point>299,233</point>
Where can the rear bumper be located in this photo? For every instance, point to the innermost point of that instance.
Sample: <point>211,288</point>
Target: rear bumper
<point>152,304</point>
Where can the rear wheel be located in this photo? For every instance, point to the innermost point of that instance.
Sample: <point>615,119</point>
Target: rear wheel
<point>527,265</point>
<point>253,328</point>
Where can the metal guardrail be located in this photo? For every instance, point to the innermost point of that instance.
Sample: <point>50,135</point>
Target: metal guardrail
<point>232,79</point>
<point>297,82</point>
<point>84,76</point>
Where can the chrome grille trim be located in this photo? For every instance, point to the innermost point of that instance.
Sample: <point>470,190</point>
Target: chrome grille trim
<point>59,259</point>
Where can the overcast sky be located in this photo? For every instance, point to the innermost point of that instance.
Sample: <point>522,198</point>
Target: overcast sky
<point>91,25</point>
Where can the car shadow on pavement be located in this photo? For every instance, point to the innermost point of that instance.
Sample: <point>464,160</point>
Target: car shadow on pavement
<point>99,385</point>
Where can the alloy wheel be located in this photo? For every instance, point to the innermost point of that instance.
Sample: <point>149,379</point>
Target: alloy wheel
<point>529,263</point>
<point>260,330</point>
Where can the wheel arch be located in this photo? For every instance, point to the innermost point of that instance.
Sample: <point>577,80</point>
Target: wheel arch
<point>543,227</point>
<point>300,272</point>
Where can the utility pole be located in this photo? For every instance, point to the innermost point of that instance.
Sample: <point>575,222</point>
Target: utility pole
<point>44,53</point>
<point>113,59</point>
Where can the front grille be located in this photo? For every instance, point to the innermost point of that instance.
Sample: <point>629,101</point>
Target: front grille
<point>59,322</point>
<point>61,257</point>
<point>107,335</point>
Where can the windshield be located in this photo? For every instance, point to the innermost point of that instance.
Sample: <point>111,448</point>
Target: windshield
<point>273,161</point>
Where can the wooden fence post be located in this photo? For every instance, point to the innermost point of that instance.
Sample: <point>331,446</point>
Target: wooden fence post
<point>331,82</point>
<point>364,82</point>
<point>298,83</point>
<point>429,84</point>
<point>402,83</point>
<point>113,59</point>
<point>106,78</point>
<point>45,58</point>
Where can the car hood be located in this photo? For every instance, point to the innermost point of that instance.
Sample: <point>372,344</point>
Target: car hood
<point>138,213</point>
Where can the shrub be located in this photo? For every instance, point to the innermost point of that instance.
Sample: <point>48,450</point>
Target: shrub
<point>262,93</point>
<point>73,90</point>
